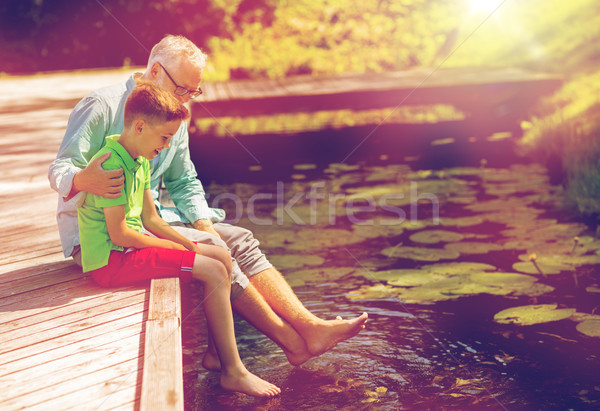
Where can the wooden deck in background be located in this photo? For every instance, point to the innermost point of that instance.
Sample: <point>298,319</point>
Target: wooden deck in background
<point>65,343</point>
<point>503,95</point>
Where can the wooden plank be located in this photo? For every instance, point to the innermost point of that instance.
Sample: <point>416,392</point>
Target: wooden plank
<point>72,323</point>
<point>23,285</point>
<point>59,265</point>
<point>462,86</point>
<point>162,381</point>
<point>31,263</point>
<point>49,352</point>
<point>97,387</point>
<point>53,297</point>
<point>78,364</point>
<point>66,313</point>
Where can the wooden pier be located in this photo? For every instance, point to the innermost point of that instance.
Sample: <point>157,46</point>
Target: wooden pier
<point>65,342</point>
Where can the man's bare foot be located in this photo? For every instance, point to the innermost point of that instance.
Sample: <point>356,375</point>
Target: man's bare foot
<point>297,358</point>
<point>248,383</point>
<point>211,361</point>
<point>325,335</point>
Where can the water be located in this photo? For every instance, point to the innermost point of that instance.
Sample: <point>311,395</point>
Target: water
<point>431,341</point>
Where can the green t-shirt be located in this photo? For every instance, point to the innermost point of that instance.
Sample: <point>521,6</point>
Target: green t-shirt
<point>93,232</point>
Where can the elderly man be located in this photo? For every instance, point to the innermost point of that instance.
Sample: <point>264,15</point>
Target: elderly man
<point>259,292</point>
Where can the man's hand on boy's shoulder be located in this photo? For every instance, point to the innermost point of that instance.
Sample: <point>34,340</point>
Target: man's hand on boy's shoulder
<point>96,180</point>
<point>206,225</point>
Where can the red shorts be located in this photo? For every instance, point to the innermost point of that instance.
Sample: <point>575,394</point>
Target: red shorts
<point>136,265</point>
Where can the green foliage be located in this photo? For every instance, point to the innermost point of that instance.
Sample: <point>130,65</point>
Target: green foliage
<point>329,37</point>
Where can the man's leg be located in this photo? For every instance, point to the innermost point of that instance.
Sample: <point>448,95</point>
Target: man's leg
<point>319,335</point>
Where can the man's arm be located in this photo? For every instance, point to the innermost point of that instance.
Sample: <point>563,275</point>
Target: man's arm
<point>185,189</point>
<point>125,237</point>
<point>96,180</point>
<point>70,173</point>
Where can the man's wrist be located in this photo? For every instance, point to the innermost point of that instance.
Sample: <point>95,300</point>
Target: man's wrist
<point>202,223</point>
<point>75,186</point>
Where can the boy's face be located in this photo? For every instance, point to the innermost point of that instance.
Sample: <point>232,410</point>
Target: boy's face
<point>156,136</point>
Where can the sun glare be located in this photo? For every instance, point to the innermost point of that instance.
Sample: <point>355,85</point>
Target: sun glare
<point>486,6</point>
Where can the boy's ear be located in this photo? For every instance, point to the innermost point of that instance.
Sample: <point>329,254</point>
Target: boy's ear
<point>139,126</point>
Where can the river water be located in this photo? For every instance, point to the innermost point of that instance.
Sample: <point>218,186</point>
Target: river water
<point>434,249</point>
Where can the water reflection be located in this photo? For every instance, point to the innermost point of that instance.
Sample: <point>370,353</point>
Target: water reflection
<point>431,340</point>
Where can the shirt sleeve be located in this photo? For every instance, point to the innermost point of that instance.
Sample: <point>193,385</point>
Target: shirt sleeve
<point>180,180</point>
<point>112,163</point>
<point>84,136</point>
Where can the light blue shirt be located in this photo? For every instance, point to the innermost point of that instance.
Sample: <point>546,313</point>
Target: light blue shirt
<point>98,115</point>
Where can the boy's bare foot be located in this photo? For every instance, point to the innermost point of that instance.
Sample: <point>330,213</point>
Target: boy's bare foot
<point>211,361</point>
<point>248,383</point>
<point>325,335</point>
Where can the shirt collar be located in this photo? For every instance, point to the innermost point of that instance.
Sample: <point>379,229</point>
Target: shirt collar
<point>130,163</point>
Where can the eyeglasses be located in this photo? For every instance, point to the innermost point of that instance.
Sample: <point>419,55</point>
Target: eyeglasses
<point>179,90</point>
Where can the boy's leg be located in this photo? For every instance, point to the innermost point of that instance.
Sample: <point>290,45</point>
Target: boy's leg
<point>217,308</point>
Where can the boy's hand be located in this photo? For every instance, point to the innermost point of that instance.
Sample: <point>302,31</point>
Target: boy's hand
<point>172,245</point>
<point>196,249</point>
<point>96,180</point>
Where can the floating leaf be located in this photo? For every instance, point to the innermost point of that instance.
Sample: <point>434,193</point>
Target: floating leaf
<point>533,314</point>
<point>305,166</point>
<point>317,275</point>
<point>591,328</point>
<point>469,247</point>
<point>435,236</point>
<point>529,267</point>
<point>374,292</point>
<point>461,221</point>
<point>593,289</point>
<point>420,254</point>
<point>289,261</point>
<point>319,238</point>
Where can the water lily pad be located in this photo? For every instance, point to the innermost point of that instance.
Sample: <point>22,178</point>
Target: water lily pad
<point>317,275</point>
<point>379,228</point>
<point>435,236</point>
<point>501,279</point>
<point>289,261</point>
<point>461,221</point>
<point>533,314</point>
<point>373,292</point>
<point>408,278</point>
<point>305,166</point>
<point>470,247</point>
<point>546,266</point>
<point>462,199</point>
<point>314,238</point>
<point>420,254</point>
<point>591,328</point>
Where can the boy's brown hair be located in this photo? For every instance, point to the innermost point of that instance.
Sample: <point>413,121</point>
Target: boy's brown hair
<point>153,104</point>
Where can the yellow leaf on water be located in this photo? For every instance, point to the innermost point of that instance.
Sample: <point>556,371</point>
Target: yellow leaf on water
<point>381,390</point>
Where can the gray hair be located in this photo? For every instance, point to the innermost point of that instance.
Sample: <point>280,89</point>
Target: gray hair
<point>172,47</point>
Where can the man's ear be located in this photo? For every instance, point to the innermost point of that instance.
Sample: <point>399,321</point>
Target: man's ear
<point>139,126</point>
<point>155,70</point>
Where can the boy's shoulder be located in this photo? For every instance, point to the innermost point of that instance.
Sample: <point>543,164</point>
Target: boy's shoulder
<point>111,163</point>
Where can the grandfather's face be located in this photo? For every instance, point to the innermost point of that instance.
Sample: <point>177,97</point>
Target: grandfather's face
<point>180,74</point>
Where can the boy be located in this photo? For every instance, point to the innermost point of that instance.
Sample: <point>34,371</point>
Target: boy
<point>116,253</point>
